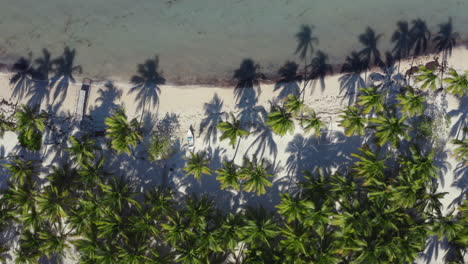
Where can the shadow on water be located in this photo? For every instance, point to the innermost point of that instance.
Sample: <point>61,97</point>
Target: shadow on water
<point>213,115</point>
<point>370,52</point>
<point>446,39</point>
<point>64,67</point>
<point>319,69</point>
<point>146,84</point>
<point>290,80</point>
<point>305,39</point>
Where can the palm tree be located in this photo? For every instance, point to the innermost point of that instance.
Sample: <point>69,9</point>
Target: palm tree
<point>64,177</point>
<point>29,249</point>
<point>118,195</point>
<point>20,170</point>
<point>294,105</point>
<point>389,129</point>
<point>231,131</point>
<point>295,243</point>
<point>122,134</point>
<point>353,121</point>
<point>445,39</point>
<point>83,150</point>
<point>198,211</point>
<point>369,166</point>
<point>259,228</point>
<point>22,198</point>
<point>293,208</point>
<point>461,150</point>
<point>228,176</point>
<point>54,244</point>
<point>371,100</point>
<point>197,165</point>
<point>370,52</point>
<point>53,203</point>
<point>176,230</point>
<point>231,232</point>
<point>411,103</point>
<point>30,124</point>
<point>147,83</point>
<point>91,174</point>
<point>420,36</point>
<point>256,175</point>
<point>403,41</point>
<point>427,77</point>
<point>280,121</point>
<point>5,125</point>
<point>159,202</point>
<point>319,68</point>
<point>312,123</point>
<point>457,83</point>
<point>160,147</point>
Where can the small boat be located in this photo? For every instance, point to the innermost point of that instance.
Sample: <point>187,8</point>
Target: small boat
<point>82,100</point>
<point>190,139</point>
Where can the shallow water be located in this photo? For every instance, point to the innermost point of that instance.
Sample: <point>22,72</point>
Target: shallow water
<point>199,40</point>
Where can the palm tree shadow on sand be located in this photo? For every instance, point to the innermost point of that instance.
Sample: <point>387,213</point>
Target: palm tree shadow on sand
<point>319,69</point>
<point>370,52</point>
<point>22,77</point>
<point>64,68</point>
<point>247,91</point>
<point>351,81</point>
<point>105,103</point>
<point>461,113</point>
<point>213,115</point>
<point>331,150</point>
<point>40,88</point>
<point>446,39</point>
<point>146,84</point>
<point>263,139</point>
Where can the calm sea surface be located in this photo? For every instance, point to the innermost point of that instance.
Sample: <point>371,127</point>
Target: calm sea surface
<point>199,40</point>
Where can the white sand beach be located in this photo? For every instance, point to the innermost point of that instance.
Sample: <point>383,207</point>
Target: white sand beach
<point>202,106</point>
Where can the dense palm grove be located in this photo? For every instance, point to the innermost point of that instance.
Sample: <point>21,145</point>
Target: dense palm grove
<point>382,209</point>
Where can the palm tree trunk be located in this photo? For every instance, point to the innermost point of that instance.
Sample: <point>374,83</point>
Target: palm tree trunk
<point>304,78</point>
<point>237,148</point>
<point>365,78</point>
<point>165,174</point>
<point>399,63</point>
<point>411,67</point>
<point>133,153</point>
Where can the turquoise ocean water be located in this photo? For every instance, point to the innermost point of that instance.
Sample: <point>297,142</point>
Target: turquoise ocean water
<point>202,40</point>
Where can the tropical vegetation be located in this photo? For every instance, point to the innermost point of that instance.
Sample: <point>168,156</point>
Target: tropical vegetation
<point>380,204</point>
